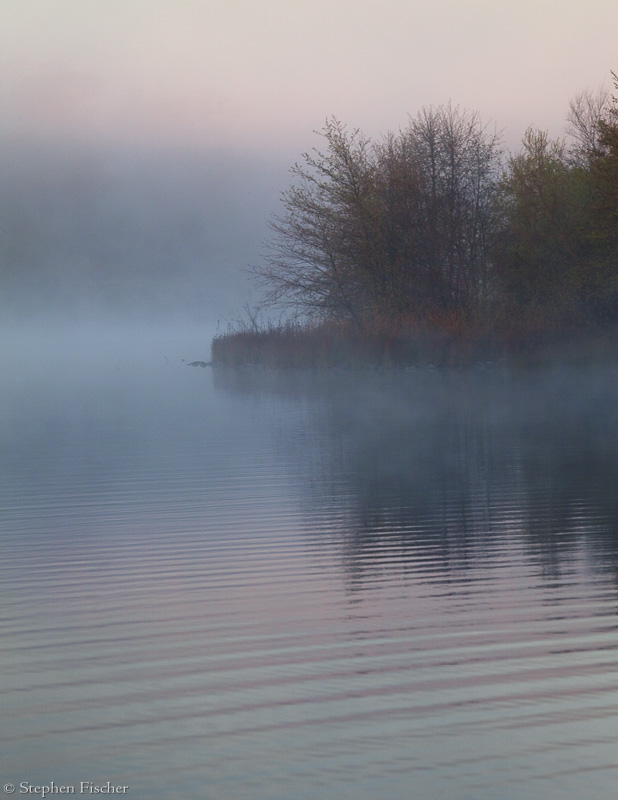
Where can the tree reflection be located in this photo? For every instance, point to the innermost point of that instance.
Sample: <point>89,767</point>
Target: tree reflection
<point>439,469</point>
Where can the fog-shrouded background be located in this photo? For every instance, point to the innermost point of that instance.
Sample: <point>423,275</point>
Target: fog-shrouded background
<point>144,143</point>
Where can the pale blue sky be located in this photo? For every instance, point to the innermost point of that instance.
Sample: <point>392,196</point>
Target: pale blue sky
<point>263,74</point>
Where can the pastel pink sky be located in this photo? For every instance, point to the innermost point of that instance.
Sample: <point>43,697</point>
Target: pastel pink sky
<point>265,73</point>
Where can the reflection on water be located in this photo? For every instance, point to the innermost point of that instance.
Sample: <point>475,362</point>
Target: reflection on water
<point>336,585</point>
<point>456,461</point>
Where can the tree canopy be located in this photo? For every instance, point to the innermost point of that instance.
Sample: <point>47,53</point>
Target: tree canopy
<point>434,220</point>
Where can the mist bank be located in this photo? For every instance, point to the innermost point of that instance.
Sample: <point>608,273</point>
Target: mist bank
<point>154,233</point>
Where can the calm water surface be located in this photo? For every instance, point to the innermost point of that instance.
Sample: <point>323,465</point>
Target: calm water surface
<point>238,585</point>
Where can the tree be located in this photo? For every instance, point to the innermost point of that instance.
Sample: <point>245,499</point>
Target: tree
<point>393,228</point>
<point>602,212</point>
<point>319,262</point>
<point>455,160</point>
<point>540,245</point>
<point>587,111</point>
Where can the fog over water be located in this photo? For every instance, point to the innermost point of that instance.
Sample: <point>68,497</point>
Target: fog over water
<point>228,584</point>
<point>151,238</point>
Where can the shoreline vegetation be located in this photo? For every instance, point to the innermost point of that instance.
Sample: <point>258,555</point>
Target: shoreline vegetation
<point>336,345</point>
<point>430,247</point>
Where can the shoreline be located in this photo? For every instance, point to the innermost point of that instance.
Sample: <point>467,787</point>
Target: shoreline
<point>336,347</point>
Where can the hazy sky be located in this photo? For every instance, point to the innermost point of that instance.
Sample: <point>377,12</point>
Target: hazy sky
<point>265,73</point>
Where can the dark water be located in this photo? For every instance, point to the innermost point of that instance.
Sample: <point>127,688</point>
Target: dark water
<point>349,585</point>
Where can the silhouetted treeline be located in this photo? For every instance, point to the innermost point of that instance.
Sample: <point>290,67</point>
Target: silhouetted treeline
<point>431,234</point>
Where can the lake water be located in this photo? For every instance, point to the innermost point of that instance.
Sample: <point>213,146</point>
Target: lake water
<point>250,586</point>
